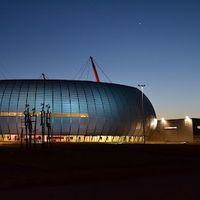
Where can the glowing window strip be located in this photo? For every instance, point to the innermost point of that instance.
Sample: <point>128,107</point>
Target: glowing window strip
<point>170,128</point>
<point>21,114</point>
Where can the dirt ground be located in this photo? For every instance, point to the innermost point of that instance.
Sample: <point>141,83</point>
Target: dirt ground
<point>100,171</point>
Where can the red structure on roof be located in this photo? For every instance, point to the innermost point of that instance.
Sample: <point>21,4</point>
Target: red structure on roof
<point>94,70</point>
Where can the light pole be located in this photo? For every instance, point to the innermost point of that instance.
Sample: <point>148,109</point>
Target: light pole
<point>143,117</point>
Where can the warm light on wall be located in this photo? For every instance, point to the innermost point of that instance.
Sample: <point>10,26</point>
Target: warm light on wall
<point>21,114</point>
<point>154,123</point>
<point>187,118</point>
<point>163,120</point>
<point>170,128</point>
<point>76,138</point>
<point>188,121</point>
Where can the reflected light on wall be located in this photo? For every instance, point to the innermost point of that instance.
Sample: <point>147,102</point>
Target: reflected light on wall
<point>163,120</point>
<point>170,128</point>
<point>188,120</point>
<point>154,123</point>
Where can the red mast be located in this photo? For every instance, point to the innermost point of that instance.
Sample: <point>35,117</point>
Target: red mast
<point>94,70</point>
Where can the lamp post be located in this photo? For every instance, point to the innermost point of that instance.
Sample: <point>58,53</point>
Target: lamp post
<point>143,117</point>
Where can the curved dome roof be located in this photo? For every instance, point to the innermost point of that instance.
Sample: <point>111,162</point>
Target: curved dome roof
<point>77,107</point>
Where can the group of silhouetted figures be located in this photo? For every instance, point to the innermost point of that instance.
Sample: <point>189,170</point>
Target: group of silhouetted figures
<point>30,125</point>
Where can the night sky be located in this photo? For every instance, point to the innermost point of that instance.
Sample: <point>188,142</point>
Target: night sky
<point>152,42</point>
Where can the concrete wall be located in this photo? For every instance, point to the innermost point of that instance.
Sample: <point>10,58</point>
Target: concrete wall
<point>173,131</point>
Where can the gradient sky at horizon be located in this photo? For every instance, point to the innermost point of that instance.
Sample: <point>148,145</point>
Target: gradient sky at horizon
<point>152,42</point>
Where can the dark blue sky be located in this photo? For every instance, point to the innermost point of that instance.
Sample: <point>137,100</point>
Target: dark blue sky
<point>151,42</point>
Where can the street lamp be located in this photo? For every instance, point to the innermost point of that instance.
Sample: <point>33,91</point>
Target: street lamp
<point>143,117</point>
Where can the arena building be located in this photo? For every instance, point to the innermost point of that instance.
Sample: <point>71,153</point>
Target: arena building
<point>74,111</point>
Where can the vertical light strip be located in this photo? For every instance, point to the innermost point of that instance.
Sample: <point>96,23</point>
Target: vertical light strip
<point>51,85</point>
<point>3,96</point>
<point>9,104</point>
<point>109,95</point>
<point>61,101</point>
<point>20,87</point>
<point>110,107</point>
<point>86,106</point>
<point>28,84</point>
<point>6,82</point>
<point>114,97</point>
<point>78,106</point>
<point>70,103</point>
<point>132,111</point>
<point>125,111</point>
<point>103,124</point>
<point>90,86</point>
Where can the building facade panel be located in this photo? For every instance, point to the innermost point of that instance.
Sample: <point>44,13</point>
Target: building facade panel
<point>77,107</point>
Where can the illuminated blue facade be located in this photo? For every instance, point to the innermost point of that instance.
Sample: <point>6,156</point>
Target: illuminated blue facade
<point>77,107</point>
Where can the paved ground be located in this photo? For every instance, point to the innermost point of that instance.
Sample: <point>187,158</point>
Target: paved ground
<point>101,172</point>
<point>184,187</point>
